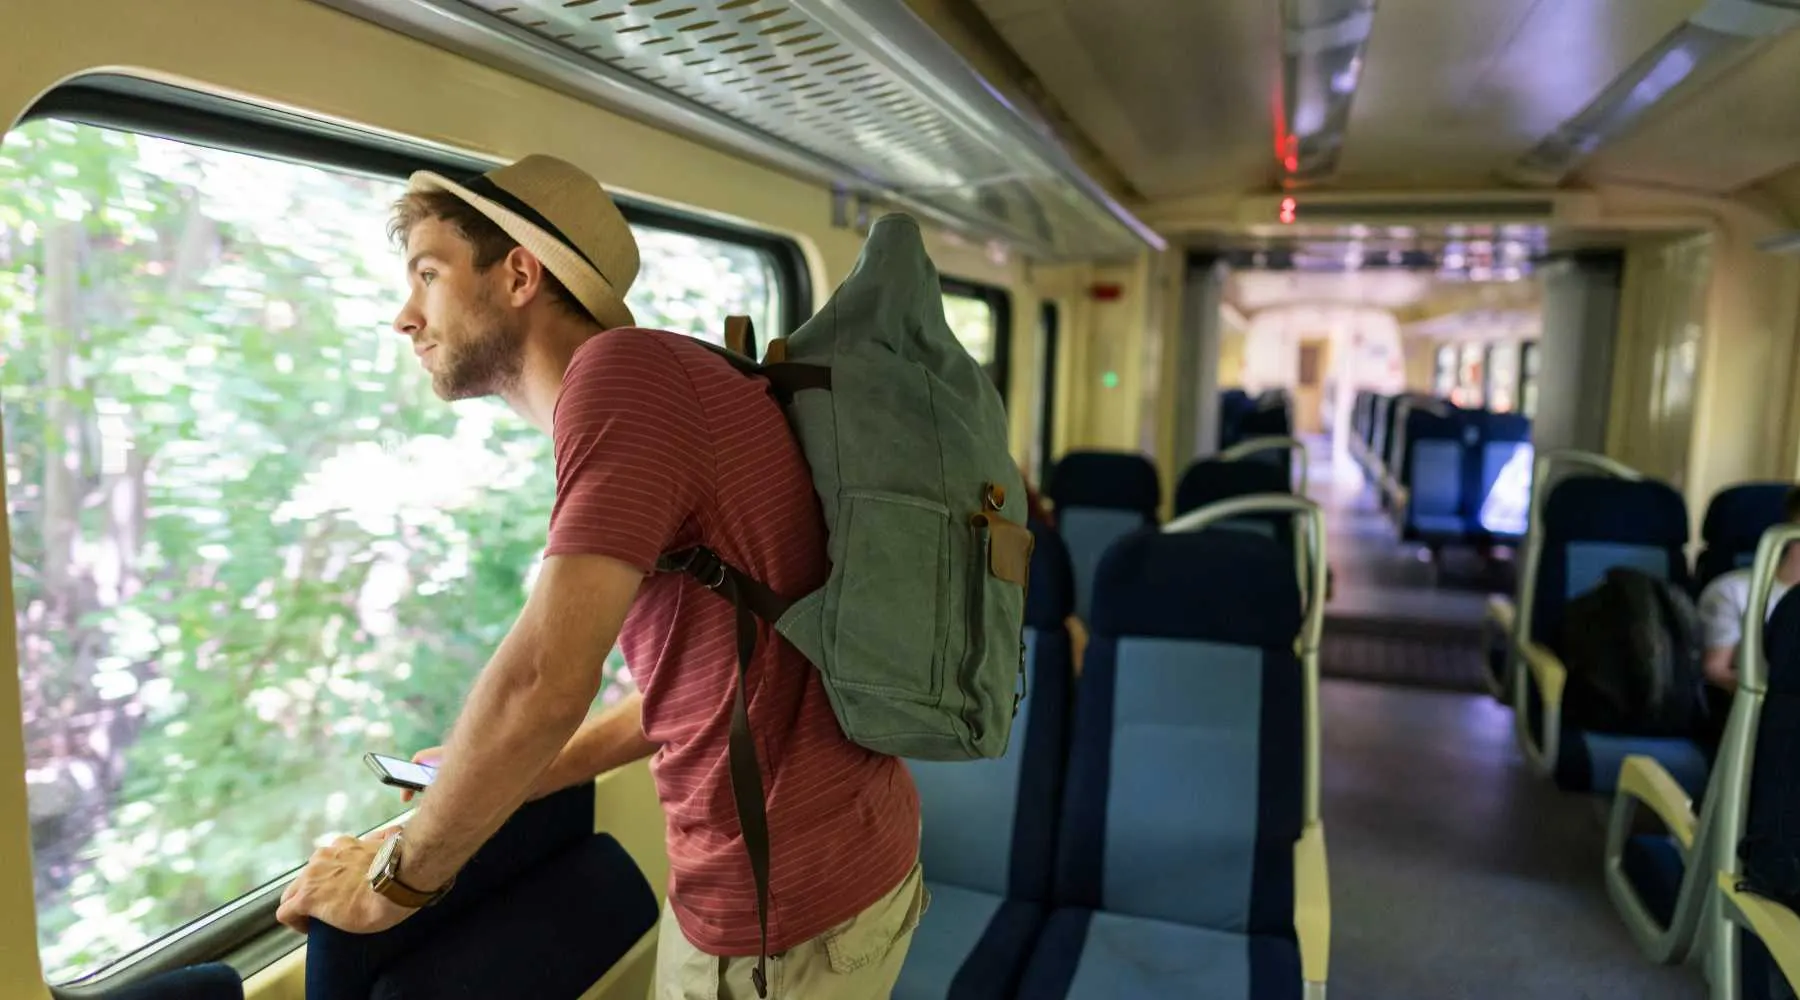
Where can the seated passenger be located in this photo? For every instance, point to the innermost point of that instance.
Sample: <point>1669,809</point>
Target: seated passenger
<point>1041,513</point>
<point>1722,607</point>
<point>517,282</point>
<point>1724,601</point>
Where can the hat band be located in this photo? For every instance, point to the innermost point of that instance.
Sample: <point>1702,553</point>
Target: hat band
<point>486,188</point>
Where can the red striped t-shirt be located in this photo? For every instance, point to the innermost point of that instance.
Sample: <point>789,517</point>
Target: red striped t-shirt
<point>661,444</point>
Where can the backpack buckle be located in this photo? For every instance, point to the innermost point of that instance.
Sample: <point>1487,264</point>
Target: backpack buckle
<point>699,562</point>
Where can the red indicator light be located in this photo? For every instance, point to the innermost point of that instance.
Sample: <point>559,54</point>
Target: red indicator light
<point>1288,209</point>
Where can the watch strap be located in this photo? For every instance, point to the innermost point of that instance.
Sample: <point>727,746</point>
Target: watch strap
<point>389,885</point>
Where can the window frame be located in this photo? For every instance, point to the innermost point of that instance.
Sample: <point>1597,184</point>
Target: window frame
<point>243,932</point>
<point>999,301</point>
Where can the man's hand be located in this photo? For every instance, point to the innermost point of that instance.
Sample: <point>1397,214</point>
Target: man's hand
<point>430,757</point>
<point>334,887</point>
<point>554,779</point>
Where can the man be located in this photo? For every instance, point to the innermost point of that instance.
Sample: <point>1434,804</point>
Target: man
<point>517,282</point>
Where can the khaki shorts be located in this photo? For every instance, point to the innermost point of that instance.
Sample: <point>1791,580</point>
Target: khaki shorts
<point>858,959</point>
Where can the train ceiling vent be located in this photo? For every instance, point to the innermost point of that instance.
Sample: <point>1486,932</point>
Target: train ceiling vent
<point>1714,38</point>
<point>858,94</point>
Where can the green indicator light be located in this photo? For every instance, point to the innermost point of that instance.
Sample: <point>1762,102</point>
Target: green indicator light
<point>1110,380</point>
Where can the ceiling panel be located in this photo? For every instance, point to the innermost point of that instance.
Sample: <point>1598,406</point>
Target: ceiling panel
<point>1180,94</point>
<point>1453,91</point>
<point>1738,130</point>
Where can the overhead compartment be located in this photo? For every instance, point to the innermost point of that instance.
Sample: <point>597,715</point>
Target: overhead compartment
<point>860,95</point>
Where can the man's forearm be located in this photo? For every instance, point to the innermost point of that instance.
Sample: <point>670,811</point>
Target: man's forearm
<point>613,738</point>
<point>518,717</point>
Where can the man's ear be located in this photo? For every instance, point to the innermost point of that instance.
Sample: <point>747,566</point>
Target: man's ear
<point>524,276</point>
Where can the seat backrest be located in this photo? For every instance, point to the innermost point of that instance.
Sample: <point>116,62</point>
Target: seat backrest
<point>1594,523</point>
<point>212,981</point>
<point>545,904</point>
<point>1100,496</point>
<point>1210,480</point>
<point>1186,787</point>
<point>1432,468</point>
<point>1497,478</point>
<point>990,825</point>
<point>1234,404</point>
<point>1771,809</point>
<point>1735,519</point>
<point>1379,424</point>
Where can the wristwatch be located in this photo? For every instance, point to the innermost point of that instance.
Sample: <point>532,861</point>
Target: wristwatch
<point>384,878</point>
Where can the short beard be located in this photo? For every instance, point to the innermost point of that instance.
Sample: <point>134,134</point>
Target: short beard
<point>489,364</point>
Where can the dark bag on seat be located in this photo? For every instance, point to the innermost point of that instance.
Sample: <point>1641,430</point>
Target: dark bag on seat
<point>1633,649</point>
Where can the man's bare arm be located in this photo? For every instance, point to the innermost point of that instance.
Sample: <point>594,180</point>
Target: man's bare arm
<point>613,738</point>
<point>522,711</point>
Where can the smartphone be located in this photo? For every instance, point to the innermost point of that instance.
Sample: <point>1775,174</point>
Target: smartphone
<point>400,773</point>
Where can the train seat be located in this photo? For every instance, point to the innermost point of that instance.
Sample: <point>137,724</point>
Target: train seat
<point>1658,890</point>
<point>1497,478</point>
<point>987,846</point>
<point>1592,524</point>
<point>544,909</point>
<point>1209,480</point>
<point>1176,872</point>
<point>1100,496</point>
<point>1429,504</point>
<point>1735,518</point>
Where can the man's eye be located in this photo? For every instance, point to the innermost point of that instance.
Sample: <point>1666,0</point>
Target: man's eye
<point>426,276</point>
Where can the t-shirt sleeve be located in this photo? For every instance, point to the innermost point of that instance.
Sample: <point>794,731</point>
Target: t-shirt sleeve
<point>1722,611</point>
<point>633,459</point>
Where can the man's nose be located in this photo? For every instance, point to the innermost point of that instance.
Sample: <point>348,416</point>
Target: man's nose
<point>408,322</point>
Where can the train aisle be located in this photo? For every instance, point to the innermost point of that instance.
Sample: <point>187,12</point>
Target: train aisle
<point>1455,874</point>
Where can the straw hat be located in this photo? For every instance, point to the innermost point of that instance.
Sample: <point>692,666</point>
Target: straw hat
<point>564,217</point>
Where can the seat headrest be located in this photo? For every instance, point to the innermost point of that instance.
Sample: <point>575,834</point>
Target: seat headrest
<point>1738,515</point>
<point>1114,479</point>
<point>1211,480</point>
<point>1050,597</point>
<point>1605,509</point>
<point>1505,426</point>
<point>1218,585</point>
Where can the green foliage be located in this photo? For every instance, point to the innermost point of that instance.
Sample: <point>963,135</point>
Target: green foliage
<point>249,543</point>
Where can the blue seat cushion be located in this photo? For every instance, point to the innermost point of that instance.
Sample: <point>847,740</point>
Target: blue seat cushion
<point>1652,863</point>
<point>969,945</point>
<point>1089,532</point>
<point>1439,525</point>
<point>1094,954</point>
<point>1589,761</point>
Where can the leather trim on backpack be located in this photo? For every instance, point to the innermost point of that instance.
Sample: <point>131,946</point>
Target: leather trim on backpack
<point>1009,548</point>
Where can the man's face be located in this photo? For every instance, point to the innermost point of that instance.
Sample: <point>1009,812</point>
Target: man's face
<point>456,316</point>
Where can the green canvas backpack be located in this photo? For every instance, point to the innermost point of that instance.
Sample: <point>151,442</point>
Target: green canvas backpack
<point>918,632</point>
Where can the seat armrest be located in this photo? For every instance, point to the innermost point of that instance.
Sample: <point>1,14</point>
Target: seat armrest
<point>1312,903</point>
<point>1644,779</point>
<point>1543,668</point>
<point>1547,671</point>
<point>1775,924</point>
<point>1501,612</point>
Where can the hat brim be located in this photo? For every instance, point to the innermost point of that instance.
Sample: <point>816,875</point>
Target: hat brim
<point>594,292</point>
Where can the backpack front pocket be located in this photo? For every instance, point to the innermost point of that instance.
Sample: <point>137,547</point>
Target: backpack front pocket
<point>890,604</point>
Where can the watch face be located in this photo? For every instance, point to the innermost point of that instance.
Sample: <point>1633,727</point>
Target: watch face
<point>382,858</point>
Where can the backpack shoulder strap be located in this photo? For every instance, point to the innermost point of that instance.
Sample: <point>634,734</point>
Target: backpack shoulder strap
<point>786,377</point>
<point>753,601</point>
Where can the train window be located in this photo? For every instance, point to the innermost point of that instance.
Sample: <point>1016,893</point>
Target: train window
<point>1503,376</point>
<point>981,318</point>
<point>249,543</point>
